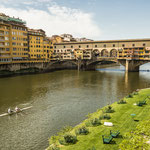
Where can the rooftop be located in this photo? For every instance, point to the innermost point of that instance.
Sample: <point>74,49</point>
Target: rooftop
<point>6,18</point>
<point>36,32</point>
<point>105,41</point>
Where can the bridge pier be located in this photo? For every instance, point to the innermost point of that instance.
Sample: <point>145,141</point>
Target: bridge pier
<point>131,65</point>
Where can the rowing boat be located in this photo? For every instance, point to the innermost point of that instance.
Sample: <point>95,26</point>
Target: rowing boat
<point>14,112</point>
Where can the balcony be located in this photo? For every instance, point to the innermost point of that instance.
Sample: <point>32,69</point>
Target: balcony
<point>3,52</point>
<point>5,55</point>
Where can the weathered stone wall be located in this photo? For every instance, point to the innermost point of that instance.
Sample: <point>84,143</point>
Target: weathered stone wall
<point>10,69</point>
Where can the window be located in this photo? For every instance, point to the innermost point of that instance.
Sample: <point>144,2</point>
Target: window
<point>13,43</point>
<point>95,45</point>
<point>87,46</point>
<point>6,32</point>
<point>54,46</point>
<point>113,45</point>
<point>71,46</point>
<point>13,38</point>
<point>7,44</point>
<point>79,46</point>
<point>64,46</point>
<point>123,45</point>
<point>144,44</point>
<point>104,45</point>
<point>133,45</point>
<point>6,38</point>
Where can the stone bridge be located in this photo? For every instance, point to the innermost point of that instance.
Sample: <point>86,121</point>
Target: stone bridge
<point>130,64</point>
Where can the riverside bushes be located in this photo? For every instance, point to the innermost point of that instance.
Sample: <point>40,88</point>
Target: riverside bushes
<point>109,109</point>
<point>129,96</point>
<point>122,101</point>
<point>93,122</point>
<point>135,93</point>
<point>68,139</point>
<point>104,116</point>
<point>82,131</point>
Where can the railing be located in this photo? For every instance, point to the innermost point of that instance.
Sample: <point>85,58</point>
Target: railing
<point>5,56</point>
<point>2,51</point>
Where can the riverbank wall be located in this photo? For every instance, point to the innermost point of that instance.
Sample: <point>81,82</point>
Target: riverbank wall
<point>43,67</point>
<point>33,68</point>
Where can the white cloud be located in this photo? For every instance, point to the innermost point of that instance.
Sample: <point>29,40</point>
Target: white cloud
<point>57,20</point>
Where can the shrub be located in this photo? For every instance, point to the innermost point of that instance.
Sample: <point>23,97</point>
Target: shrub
<point>135,93</point>
<point>109,109</point>
<point>129,96</point>
<point>122,101</point>
<point>105,116</point>
<point>83,131</point>
<point>95,122</point>
<point>70,139</point>
<point>87,124</point>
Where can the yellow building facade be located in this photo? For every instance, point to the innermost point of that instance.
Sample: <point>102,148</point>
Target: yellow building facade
<point>19,44</point>
<point>36,45</point>
<point>13,40</point>
<point>48,49</point>
<point>40,47</point>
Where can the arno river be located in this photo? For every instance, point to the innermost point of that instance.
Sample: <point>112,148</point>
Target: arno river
<point>59,98</point>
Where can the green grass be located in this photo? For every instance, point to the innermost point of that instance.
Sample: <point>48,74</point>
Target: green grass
<point>121,119</point>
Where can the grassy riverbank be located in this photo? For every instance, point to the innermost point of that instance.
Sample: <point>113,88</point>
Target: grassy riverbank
<point>121,119</point>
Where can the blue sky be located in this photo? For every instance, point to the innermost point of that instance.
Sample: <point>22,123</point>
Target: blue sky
<point>96,19</point>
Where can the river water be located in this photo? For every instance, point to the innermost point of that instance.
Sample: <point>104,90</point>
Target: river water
<point>59,98</point>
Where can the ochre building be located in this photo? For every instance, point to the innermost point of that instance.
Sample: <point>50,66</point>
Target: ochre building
<point>19,44</point>
<point>13,40</point>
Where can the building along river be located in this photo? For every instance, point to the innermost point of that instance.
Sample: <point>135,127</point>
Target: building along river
<point>59,98</point>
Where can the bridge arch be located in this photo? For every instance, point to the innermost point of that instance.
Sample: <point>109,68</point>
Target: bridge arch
<point>113,53</point>
<point>104,53</point>
<point>96,52</point>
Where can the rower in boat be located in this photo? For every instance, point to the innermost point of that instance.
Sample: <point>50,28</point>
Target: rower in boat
<point>17,110</point>
<point>10,111</point>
